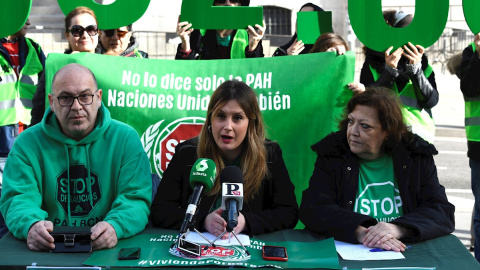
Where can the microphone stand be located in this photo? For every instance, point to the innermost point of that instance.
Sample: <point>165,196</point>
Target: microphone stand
<point>190,228</point>
<point>230,229</point>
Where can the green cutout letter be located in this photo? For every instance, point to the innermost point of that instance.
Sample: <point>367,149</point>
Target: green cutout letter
<point>311,24</point>
<point>202,15</point>
<point>119,13</point>
<point>371,29</point>
<point>13,16</point>
<point>470,10</point>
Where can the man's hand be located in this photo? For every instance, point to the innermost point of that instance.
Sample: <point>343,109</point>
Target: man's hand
<point>184,29</point>
<point>255,35</point>
<point>39,238</point>
<point>392,59</point>
<point>214,223</point>
<point>103,236</point>
<point>413,53</point>
<point>296,48</point>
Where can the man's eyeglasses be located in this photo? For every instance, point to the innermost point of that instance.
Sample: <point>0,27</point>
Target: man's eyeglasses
<point>120,33</point>
<point>67,101</point>
<point>78,30</point>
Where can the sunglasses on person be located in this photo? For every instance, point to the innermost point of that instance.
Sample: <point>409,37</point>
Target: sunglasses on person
<point>78,30</point>
<point>224,1</point>
<point>120,33</point>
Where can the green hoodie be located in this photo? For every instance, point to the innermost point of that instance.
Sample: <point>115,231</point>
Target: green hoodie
<point>105,176</point>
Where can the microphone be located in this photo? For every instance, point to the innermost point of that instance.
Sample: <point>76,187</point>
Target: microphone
<point>202,178</point>
<point>232,194</point>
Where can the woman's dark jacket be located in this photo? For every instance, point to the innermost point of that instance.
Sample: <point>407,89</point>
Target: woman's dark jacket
<point>328,203</point>
<point>206,47</point>
<point>425,88</point>
<point>273,208</point>
<point>470,85</point>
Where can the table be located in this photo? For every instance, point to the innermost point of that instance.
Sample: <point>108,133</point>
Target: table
<point>444,253</point>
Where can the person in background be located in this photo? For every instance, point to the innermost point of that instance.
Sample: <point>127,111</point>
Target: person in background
<point>467,67</point>
<point>233,135</point>
<point>81,32</point>
<point>220,44</point>
<point>22,62</point>
<point>375,182</point>
<point>407,72</point>
<point>120,42</point>
<point>294,46</point>
<point>330,42</point>
<point>78,167</point>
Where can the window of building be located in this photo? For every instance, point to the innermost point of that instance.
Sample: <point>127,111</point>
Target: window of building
<point>278,20</point>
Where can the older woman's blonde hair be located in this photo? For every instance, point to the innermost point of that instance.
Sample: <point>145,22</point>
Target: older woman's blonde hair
<point>253,161</point>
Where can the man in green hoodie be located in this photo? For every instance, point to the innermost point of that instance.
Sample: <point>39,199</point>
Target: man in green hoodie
<point>78,167</point>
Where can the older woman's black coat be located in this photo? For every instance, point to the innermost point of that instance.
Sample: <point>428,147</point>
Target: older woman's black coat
<point>328,203</point>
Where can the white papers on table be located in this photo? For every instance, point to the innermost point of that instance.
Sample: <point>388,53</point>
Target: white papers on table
<point>352,252</point>
<point>196,238</point>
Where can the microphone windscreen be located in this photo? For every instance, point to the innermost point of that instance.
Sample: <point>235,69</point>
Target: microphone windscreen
<point>204,173</point>
<point>231,174</point>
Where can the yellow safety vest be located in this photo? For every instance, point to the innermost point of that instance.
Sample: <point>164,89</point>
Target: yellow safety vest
<point>16,94</point>
<point>472,115</point>
<point>418,119</point>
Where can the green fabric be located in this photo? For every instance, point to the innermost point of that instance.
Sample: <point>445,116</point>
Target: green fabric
<point>49,176</point>
<point>16,94</point>
<point>378,195</point>
<point>156,252</point>
<point>239,44</point>
<point>415,117</point>
<point>445,253</point>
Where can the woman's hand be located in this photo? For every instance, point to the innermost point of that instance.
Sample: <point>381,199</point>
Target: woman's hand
<point>215,224</point>
<point>413,53</point>
<point>476,40</point>
<point>255,35</point>
<point>184,29</point>
<point>356,87</point>
<point>383,235</point>
<point>296,48</point>
<point>391,60</point>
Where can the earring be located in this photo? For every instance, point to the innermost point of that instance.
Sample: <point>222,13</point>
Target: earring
<point>209,128</point>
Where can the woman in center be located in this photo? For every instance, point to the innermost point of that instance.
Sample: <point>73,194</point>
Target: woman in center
<point>233,135</point>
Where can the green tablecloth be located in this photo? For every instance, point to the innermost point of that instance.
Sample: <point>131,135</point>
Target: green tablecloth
<point>444,253</point>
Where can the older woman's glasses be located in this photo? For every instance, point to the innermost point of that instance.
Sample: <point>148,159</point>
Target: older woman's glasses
<point>67,101</point>
<point>78,30</point>
<point>120,33</point>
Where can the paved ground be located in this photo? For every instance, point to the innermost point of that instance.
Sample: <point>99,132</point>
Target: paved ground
<point>452,162</point>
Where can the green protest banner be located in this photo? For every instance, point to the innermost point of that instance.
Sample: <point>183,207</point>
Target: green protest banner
<point>157,251</point>
<point>166,100</point>
<point>312,24</point>
<point>117,14</point>
<point>470,10</point>
<point>13,16</point>
<point>371,29</point>
<point>200,13</point>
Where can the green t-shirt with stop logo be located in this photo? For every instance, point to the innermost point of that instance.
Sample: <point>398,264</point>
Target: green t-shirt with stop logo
<point>378,195</point>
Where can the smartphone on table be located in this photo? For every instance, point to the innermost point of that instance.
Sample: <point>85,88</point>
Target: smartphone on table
<point>274,253</point>
<point>129,253</point>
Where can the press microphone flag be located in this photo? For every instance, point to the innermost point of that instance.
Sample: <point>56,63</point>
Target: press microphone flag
<point>232,194</point>
<point>202,178</point>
